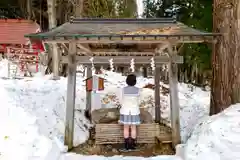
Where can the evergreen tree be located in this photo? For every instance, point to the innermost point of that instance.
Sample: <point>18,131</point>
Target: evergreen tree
<point>226,57</point>
<point>196,14</point>
<point>110,8</point>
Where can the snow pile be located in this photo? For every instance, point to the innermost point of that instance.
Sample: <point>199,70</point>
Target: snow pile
<point>194,105</point>
<point>4,68</point>
<point>216,137</point>
<point>32,114</point>
<point>19,137</point>
<point>46,100</point>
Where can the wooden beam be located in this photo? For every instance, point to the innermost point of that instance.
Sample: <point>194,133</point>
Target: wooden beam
<point>174,99</point>
<point>116,53</point>
<point>132,48</point>
<point>71,93</point>
<point>85,48</point>
<point>125,59</point>
<point>64,46</point>
<point>157,95</point>
<point>180,49</point>
<point>161,47</point>
<point>126,41</point>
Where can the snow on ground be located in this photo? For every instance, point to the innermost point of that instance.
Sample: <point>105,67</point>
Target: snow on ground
<point>216,137</point>
<point>32,113</point>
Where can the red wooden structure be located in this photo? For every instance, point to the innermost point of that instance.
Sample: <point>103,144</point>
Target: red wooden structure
<point>14,44</point>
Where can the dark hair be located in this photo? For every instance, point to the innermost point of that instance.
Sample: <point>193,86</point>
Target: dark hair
<point>131,80</point>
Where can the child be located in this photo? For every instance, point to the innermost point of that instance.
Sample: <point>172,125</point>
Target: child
<point>130,112</point>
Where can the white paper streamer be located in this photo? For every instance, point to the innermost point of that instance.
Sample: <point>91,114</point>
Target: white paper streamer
<point>152,64</point>
<point>132,65</point>
<point>93,67</point>
<point>111,65</point>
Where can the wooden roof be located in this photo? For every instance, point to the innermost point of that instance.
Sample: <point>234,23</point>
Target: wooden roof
<point>114,28</point>
<point>12,31</point>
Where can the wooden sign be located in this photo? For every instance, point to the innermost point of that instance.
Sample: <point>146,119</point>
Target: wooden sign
<point>99,85</point>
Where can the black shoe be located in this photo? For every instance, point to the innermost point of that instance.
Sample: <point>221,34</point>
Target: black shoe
<point>126,143</point>
<point>132,143</point>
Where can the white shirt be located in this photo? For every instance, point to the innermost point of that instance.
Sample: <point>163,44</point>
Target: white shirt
<point>130,102</point>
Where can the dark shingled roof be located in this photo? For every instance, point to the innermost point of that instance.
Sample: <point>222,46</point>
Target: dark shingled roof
<point>81,28</point>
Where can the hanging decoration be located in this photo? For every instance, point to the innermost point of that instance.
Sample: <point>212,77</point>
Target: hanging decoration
<point>153,64</point>
<point>102,69</point>
<point>111,65</point>
<point>165,68</point>
<point>80,68</point>
<point>93,67</point>
<point>132,65</point>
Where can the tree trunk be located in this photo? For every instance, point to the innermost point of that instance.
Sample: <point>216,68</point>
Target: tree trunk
<point>52,18</point>
<point>52,13</point>
<point>226,57</point>
<point>29,9</point>
<point>78,8</point>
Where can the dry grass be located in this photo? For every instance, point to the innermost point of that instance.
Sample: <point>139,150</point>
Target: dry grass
<point>145,150</point>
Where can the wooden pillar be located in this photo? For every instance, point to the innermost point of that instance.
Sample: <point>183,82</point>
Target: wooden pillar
<point>145,74</point>
<point>95,96</point>
<point>71,93</point>
<point>157,95</point>
<point>174,99</point>
<point>121,69</point>
<point>56,62</point>
<point>89,94</point>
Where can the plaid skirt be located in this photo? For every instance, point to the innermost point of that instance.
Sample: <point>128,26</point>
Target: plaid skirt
<point>130,119</point>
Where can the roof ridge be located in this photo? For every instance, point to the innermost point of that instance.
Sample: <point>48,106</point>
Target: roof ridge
<point>123,20</point>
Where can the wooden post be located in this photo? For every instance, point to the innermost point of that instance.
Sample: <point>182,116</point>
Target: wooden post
<point>95,97</point>
<point>71,93</point>
<point>88,94</point>
<point>56,62</point>
<point>174,100</point>
<point>145,74</point>
<point>157,95</point>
